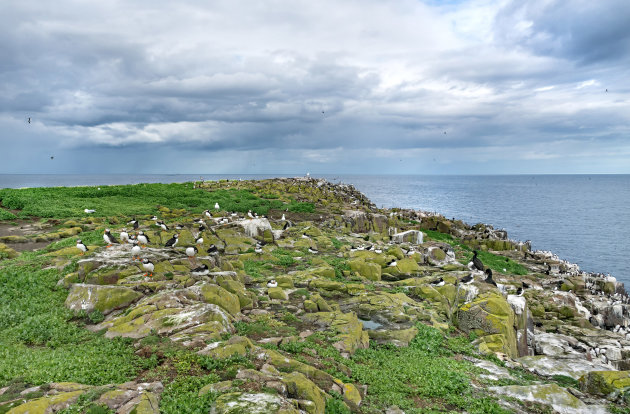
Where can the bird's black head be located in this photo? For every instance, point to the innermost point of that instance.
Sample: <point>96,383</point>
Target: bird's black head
<point>489,272</point>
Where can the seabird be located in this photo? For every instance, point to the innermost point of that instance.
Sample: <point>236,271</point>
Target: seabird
<point>283,218</point>
<point>314,251</point>
<point>201,228</point>
<point>212,249</point>
<point>216,206</point>
<point>392,263</point>
<point>148,266</point>
<point>124,236</point>
<point>305,236</point>
<point>258,249</point>
<point>272,283</point>
<point>467,280</point>
<point>162,225</point>
<point>477,264</point>
<point>135,223</point>
<point>199,239</point>
<point>29,118</point>
<point>201,270</point>
<point>438,282</point>
<point>207,213</point>
<point>378,251</point>
<point>81,247</point>
<point>191,252</point>
<point>109,238</point>
<point>488,278</point>
<point>172,242</point>
<point>52,157</point>
<point>88,211</point>
<point>519,291</point>
<point>154,218</point>
<point>143,239</point>
<point>135,251</point>
<point>286,226</point>
<point>249,214</point>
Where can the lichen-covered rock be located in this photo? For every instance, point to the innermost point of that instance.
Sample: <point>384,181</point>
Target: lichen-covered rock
<point>604,382</point>
<point>102,298</point>
<point>409,236</point>
<point>573,367</point>
<point>236,345</point>
<point>370,271</point>
<point>300,387</point>
<point>48,404</point>
<point>490,314</point>
<point>251,403</point>
<point>7,252</point>
<point>349,328</point>
<point>277,293</point>
<point>558,398</point>
<point>217,295</point>
<point>397,337</point>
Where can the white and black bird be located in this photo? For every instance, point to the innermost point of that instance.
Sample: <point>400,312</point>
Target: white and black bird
<point>201,228</point>
<point>154,218</point>
<point>81,247</point>
<point>216,206</point>
<point>124,236</point>
<point>213,249</point>
<point>109,238</point>
<point>201,270</point>
<point>476,262</point>
<point>148,266</point>
<point>143,239</point>
<point>313,251</point>
<point>163,225</point>
<point>172,242</point>
<point>305,236</point>
<point>488,278</point>
<point>392,263</point>
<point>191,252</point>
<point>179,227</point>
<point>437,282</point>
<point>199,239</point>
<point>286,225</point>
<point>135,250</point>
<point>378,251</point>
<point>258,249</point>
<point>88,211</point>
<point>207,213</point>
<point>272,283</point>
<point>467,280</point>
<point>135,223</point>
<point>519,291</point>
<point>249,214</point>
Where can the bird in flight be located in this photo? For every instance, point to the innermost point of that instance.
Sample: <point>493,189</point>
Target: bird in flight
<point>29,118</point>
<point>52,157</point>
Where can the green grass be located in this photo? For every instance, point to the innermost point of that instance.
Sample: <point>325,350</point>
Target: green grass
<point>437,236</point>
<point>130,200</point>
<point>38,340</point>
<point>182,395</point>
<point>7,215</point>
<point>497,263</point>
<point>424,371</point>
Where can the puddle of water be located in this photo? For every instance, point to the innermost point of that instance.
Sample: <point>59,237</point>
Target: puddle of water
<point>370,325</point>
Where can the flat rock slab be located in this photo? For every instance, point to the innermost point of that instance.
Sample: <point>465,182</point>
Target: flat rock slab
<point>570,366</point>
<point>558,398</point>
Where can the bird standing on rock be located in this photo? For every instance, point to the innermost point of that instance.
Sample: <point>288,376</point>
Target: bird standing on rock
<point>476,262</point>
<point>213,249</point>
<point>135,251</point>
<point>201,270</point>
<point>109,238</point>
<point>272,283</point>
<point>488,278</point>
<point>467,280</point>
<point>191,252</point>
<point>124,236</point>
<point>199,239</point>
<point>81,247</point>
<point>172,242</point>
<point>148,266</point>
<point>437,283</point>
<point>135,224</point>
<point>143,239</point>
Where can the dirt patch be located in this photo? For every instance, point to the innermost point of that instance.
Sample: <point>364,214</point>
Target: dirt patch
<point>23,229</point>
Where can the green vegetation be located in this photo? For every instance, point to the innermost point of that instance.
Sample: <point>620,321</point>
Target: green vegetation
<point>182,395</point>
<point>130,200</point>
<point>7,215</point>
<point>498,263</point>
<point>425,370</point>
<point>38,340</point>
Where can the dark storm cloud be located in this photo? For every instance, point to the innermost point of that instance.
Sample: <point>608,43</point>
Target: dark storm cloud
<point>350,86</point>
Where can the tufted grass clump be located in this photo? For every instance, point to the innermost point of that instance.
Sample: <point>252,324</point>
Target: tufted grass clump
<point>182,395</point>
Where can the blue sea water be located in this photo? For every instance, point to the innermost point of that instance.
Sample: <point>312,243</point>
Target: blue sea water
<point>583,218</point>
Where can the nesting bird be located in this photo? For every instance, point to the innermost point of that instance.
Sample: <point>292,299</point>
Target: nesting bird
<point>313,251</point>
<point>201,270</point>
<point>81,247</point>
<point>213,249</point>
<point>272,283</point>
<point>467,280</point>
<point>109,238</point>
<point>199,239</point>
<point>148,266</point>
<point>437,283</point>
<point>392,263</point>
<point>172,242</point>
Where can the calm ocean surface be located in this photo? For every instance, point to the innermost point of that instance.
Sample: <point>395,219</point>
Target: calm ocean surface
<point>582,218</point>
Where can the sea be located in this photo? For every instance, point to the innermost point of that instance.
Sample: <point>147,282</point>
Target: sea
<point>584,219</point>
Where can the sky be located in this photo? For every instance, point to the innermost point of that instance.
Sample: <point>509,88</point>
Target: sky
<point>326,87</point>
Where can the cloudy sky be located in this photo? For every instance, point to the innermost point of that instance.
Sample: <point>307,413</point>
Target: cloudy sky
<point>287,86</point>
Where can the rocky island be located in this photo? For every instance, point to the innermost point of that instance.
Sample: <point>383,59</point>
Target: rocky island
<point>291,296</point>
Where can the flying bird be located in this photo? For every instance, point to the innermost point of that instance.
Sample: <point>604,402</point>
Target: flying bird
<point>29,118</point>
<point>52,157</point>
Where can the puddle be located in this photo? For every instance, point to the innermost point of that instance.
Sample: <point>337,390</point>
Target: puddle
<point>370,325</point>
